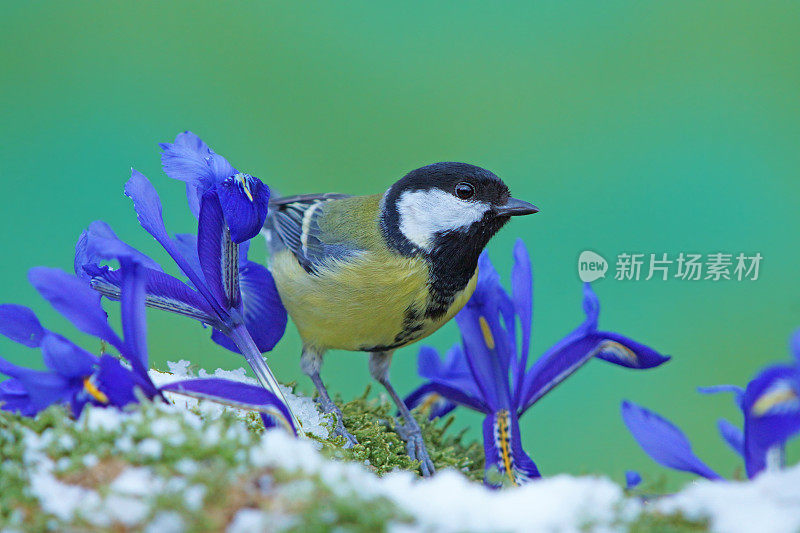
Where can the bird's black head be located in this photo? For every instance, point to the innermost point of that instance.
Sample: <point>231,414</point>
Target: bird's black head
<point>448,212</point>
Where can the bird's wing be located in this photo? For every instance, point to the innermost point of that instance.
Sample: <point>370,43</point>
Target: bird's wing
<point>293,222</point>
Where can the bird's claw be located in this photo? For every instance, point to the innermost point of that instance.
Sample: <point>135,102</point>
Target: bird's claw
<point>415,446</point>
<point>330,408</point>
<point>340,431</point>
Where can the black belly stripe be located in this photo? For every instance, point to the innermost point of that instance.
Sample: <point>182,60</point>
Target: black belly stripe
<point>413,323</point>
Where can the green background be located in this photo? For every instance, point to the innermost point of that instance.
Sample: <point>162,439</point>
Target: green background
<point>644,127</point>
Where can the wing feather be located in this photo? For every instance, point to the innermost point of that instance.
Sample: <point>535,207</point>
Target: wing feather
<point>294,220</point>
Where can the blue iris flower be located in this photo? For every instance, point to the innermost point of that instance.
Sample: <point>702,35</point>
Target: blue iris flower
<point>76,377</point>
<point>234,296</point>
<point>770,405</point>
<point>632,479</point>
<point>488,371</point>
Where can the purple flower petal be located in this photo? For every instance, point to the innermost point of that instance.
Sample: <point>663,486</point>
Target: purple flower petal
<point>186,244</point>
<point>622,351</point>
<point>556,365</point>
<point>116,382</point>
<point>134,320</point>
<point>217,253</point>
<point>262,310</point>
<point>148,209</point>
<point>522,294</point>
<point>428,362</point>
<point>632,479</point>
<point>244,200</point>
<point>234,394</point>
<point>454,372</point>
<point>99,242</point>
<point>578,348</point>
<point>20,324</point>
<point>163,292</point>
<point>456,396</point>
<point>43,388</point>
<point>738,392</point>
<point>794,346</point>
<point>564,357</point>
<point>223,340</point>
<point>65,358</point>
<point>732,436</point>
<point>74,299</point>
<point>662,441</point>
<point>771,406</point>
<point>591,308</point>
<point>481,349</point>
<point>428,399</point>
<point>189,159</point>
<point>14,398</point>
<point>503,448</point>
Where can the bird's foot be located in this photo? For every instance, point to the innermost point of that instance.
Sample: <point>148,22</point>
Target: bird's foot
<point>415,445</point>
<point>330,408</point>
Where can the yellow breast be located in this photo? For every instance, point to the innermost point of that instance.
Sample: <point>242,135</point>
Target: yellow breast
<point>376,300</point>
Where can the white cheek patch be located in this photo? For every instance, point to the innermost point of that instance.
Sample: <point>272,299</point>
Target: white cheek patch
<point>423,214</point>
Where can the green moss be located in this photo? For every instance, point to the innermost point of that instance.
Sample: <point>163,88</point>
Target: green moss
<point>373,423</point>
<point>661,523</point>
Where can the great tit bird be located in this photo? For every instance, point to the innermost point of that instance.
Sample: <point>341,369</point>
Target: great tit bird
<point>376,273</point>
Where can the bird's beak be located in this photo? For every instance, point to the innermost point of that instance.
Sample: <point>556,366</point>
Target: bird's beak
<point>514,207</point>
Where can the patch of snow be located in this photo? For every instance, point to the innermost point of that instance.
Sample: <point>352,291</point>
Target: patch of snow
<point>166,522</point>
<point>126,510</point>
<point>768,504</point>
<point>179,369</point>
<point>165,427</point>
<point>249,520</point>
<point>447,502</point>
<point>150,448</point>
<point>451,502</point>
<point>107,420</point>
<point>193,497</point>
<point>186,466</point>
<point>66,442</point>
<point>303,407</point>
<point>136,481</point>
<point>59,499</point>
<point>124,444</point>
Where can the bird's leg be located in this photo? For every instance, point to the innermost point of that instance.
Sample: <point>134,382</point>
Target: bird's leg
<point>409,430</point>
<point>311,362</point>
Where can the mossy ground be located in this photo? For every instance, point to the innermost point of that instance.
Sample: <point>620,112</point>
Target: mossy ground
<point>372,422</point>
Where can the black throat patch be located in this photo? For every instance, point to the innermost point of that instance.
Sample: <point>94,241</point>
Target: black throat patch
<point>452,258</point>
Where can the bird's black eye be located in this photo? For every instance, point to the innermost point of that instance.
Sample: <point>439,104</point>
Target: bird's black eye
<point>465,190</point>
